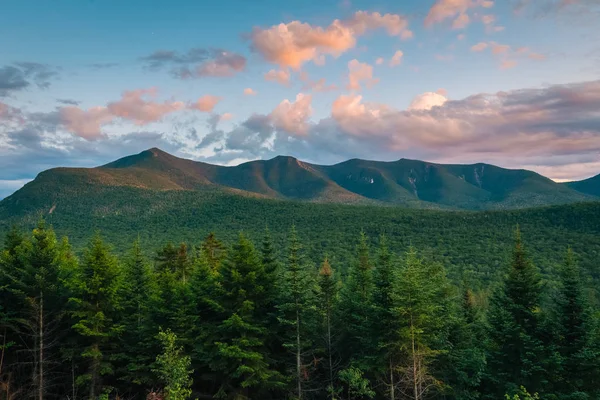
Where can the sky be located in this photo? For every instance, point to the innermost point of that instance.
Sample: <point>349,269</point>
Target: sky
<point>515,83</point>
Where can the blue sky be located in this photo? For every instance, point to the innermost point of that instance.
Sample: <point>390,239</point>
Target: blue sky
<point>514,83</point>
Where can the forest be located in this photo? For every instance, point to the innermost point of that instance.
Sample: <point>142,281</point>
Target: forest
<point>262,320</point>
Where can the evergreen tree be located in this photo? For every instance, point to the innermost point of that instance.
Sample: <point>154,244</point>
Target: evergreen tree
<point>95,304</point>
<point>242,359</point>
<point>297,308</point>
<point>420,298</point>
<point>385,334</point>
<point>136,343</point>
<point>213,251</point>
<point>515,349</point>
<point>580,365</point>
<point>35,280</point>
<point>357,309</point>
<point>328,300</point>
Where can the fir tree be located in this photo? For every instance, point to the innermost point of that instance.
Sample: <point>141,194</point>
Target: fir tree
<point>515,349</point>
<point>137,292</point>
<point>357,309</point>
<point>95,304</point>
<point>297,308</point>
<point>420,298</point>
<point>328,299</point>
<point>242,359</point>
<point>579,359</point>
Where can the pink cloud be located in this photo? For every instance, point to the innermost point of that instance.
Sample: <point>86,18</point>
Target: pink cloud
<point>293,116</point>
<point>428,100</point>
<point>134,107</point>
<point>379,61</point>
<point>280,76</point>
<point>396,58</point>
<point>205,103</point>
<point>461,36</point>
<point>319,85</point>
<point>481,46</point>
<point>454,9</point>
<point>86,123</point>
<point>461,21</point>
<point>508,64</point>
<point>295,43</point>
<point>249,92</point>
<point>360,73</point>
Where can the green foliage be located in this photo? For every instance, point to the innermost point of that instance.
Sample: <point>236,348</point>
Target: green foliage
<point>522,395</point>
<point>357,386</point>
<point>173,368</point>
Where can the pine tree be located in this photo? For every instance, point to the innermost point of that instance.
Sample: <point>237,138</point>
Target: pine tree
<point>36,281</point>
<point>242,359</point>
<point>385,332</point>
<point>515,349</point>
<point>580,365</point>
<point>297,308</point>
<point>328,299</point>
<point>136,295</point>
<point>95,304</point>
<point>213,251</point>
<point>420,298</point>
<point>357,309</point>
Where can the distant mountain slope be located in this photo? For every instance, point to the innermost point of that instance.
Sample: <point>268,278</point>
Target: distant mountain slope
<point>589,186</point>
<point>408,183</point>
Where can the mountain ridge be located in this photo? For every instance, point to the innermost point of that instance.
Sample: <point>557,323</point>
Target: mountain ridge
<point>404,182</point>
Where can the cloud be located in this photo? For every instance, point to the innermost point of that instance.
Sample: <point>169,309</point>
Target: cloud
<point>68,102</point>
<point>295,43</point>
<point>507,54</point>
<point>9,115</point>
<point>135,106</point>
<point>456,10</point>
<point>481,46</point>
<point>319,85</point>
<point>379,61</point>
<point>196,62</point>
<point>360,72</point>
<point>205,103</point>
<point>249,92</point>
<point>461,21</point>
<point>280,76</point>
<point>292,117</point>
<point>428,100</point>
<point>22,75</point>
<point>396,58</point>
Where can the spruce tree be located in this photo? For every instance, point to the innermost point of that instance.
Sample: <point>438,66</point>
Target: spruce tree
<point>241,357</point>
<point>36,282</point>
<point>328,301</point>
<point>94,305</point>
<point>420,298</point>
<point>136,342</point>
<point>297,311</point>
<point>213,251</point>
<point>515,350</point>
<point>385,330</point>
<point>580,365</point>
<point>357,309</point>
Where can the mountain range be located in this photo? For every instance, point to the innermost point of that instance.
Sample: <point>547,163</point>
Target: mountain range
<point>408,183</point>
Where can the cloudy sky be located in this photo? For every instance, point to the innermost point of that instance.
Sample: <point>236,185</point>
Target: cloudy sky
<point>514,82</point>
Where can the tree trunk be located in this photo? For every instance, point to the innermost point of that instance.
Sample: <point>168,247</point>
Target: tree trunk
<point>41,357</point>
<point>329,352</point>
<point>94,373</point>
<point>392,387</point>
<point>298,354</point>
<point>414,360</point>
<point>3,350</point>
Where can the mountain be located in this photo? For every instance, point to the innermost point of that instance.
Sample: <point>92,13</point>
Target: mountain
<point>590,186</point>
<point>408,183</point>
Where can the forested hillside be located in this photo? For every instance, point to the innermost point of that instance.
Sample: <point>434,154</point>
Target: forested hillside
<point>408,183</point>
<point>262,321</point>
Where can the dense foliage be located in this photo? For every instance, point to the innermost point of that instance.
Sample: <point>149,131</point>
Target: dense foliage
<point>207,320</point>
